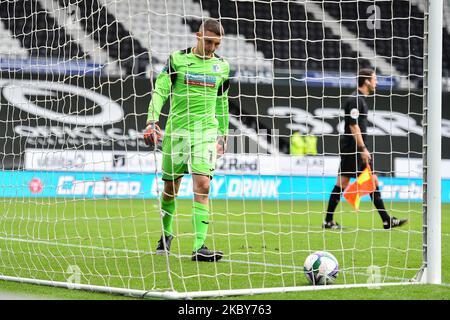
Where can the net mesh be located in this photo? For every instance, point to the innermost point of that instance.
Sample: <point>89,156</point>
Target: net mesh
<point>80,189</point>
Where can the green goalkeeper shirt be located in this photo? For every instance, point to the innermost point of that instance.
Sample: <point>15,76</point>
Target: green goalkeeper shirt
<point>199,93</point>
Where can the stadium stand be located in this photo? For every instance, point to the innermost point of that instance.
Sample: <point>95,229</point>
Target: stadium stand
<point>110,34</point>
<point>446,42</point>
<point>281,37</point>
<point>289,33</point>
<point>37,30</point>
<point>10,47</point>
<point>68,17</point>
<point>395,39</point>
<point>281,31</point>
<point>161,27</point>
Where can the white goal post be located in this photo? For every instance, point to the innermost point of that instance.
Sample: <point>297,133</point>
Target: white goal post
<point>432,127</point>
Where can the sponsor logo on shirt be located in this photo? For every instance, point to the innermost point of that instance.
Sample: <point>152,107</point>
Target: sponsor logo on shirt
<point>215,68</point>
<point>200,80</point>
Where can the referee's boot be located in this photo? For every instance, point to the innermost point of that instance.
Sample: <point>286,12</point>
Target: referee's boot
<point>164,245</point>
<point>204,254</point>
<point>331,225</point>
<point>394,223</point>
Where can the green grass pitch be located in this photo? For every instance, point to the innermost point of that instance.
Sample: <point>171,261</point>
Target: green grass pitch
<point>112,242</point>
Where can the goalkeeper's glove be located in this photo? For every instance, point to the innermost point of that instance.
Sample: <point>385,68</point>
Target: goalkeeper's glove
<point>152,134</point>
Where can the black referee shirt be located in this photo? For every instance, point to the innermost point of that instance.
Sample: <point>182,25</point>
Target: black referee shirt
<point>356,110</point>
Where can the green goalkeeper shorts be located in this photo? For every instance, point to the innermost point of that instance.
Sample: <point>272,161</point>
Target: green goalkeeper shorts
<point>194,156</point>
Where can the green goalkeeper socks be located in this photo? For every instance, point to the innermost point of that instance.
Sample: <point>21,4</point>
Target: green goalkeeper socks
<point>168,209</point>
<point>200,215</point>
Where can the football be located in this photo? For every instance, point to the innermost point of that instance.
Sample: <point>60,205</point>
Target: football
<point>321,268</point>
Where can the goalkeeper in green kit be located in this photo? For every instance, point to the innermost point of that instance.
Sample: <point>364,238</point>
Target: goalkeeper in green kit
<point>196,130</point>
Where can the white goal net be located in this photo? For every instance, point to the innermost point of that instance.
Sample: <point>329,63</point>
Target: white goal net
<point>80,191</point>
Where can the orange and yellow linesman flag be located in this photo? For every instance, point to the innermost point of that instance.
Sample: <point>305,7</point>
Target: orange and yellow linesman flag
<point>363,185</point>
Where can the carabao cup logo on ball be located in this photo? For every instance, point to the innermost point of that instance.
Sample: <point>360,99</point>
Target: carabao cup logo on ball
<point>320,268</point>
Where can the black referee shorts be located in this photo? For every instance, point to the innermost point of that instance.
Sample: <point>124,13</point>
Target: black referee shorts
<point>352,165</point>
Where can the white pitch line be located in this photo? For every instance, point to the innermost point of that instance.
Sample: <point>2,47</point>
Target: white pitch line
<point>69,245</point>
<point>177,256</point>
<point>445,284</point>
<point>301,268</point>
<point>292,226</point>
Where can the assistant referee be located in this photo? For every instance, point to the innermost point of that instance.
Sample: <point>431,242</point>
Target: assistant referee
<point>354,153</point>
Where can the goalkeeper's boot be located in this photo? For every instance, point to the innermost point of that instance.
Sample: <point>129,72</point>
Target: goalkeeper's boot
<point>394,223</point>
<point>164,245</point>
<point>331,225</point>
<point>204,254</point>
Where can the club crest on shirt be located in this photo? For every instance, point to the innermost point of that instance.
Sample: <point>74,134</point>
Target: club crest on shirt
<point>215,68</point>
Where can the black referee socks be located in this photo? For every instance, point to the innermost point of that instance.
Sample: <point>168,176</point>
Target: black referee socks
<point>379,204</point>
<point>335,197</point>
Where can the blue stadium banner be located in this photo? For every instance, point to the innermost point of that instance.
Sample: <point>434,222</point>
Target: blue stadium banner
<point>98,185</point>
